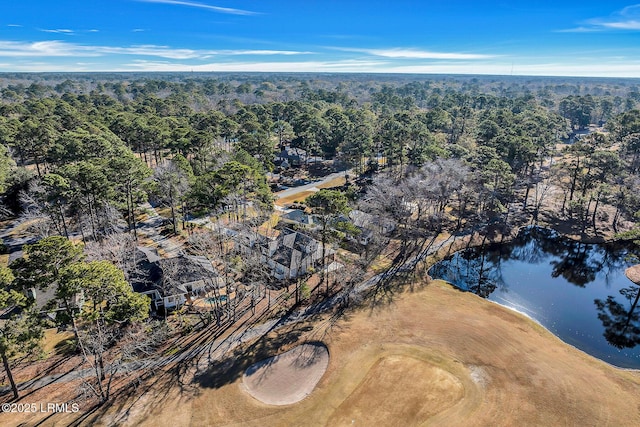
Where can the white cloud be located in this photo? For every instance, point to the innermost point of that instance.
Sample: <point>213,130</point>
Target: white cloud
<point>58,31</point>
<point>618,69</point>
<point>416,54</point>
<point>152,50</point>
<point>633,9</point>
<point>57,55</point>
<point>40,49</point>
<point>14,25</point>
<point>580,30</point>
<point>263,52</point>
<point>37,66</point>
<point>622,69</point>
<point>541,67</point>
<point>57,48</point>
<point>624,19</point>
<point>630,69</point>
<point>67,31</point>
<point>171,53</point>
<point>302,66</point>
<point>203,6</point>
<point>622,25</point>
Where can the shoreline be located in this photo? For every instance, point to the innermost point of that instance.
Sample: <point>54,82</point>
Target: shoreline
<point>504,239</point>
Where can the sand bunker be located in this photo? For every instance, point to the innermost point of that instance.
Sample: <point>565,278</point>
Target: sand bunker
<point>288,377</point>
<point>633,274</point>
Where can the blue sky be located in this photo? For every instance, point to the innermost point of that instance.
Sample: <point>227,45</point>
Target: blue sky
<point>564,38</point>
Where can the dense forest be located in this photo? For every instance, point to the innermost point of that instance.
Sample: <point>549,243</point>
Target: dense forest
<point>83,155</point>
<point>89,147</point>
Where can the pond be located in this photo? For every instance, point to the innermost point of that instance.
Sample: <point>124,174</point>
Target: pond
<point>576,290</point>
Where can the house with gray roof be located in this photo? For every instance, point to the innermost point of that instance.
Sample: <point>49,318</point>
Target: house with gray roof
<point>298,217</point>
<point>293,254</point>
<point>170,282</point>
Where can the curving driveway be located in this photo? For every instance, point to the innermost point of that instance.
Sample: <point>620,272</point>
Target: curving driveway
<point>310,187</point>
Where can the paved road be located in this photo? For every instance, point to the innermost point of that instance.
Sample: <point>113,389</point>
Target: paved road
<point>150,228</point>
<point>12,241</point>
<point>310,187</point>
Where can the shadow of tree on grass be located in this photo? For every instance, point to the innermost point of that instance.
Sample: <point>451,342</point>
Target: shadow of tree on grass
<point>233,365</point>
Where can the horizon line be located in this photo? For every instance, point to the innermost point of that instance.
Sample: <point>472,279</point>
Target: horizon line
<point>323,72</point>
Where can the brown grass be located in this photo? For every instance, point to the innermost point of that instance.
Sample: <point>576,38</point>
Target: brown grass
<point>380,264</point>
<point>424,393</point>
<point>336,182</point>
<point>20,229</point>
<point>165,212</point>
<point>300,197</point>
<point>267,227</point>
<point>54,341</point>
<point>435,356</point>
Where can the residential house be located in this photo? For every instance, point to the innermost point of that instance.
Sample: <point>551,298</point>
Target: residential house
<point>367,224</point>
<point>290,157</point>
<point>298,217</point>
<point>171,282</point>
<point>45,300</point>
<point>293,254</point>
<point>289,255</point>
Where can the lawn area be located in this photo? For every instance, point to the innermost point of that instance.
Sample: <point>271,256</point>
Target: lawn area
<point>434,355</point>
<point>54,341</point>
<point>302,195</point>
<point>380,264</point>
<point>336,182</point>
<point>166,212</point>
<point>298,197</point>
<point>267,227</point>
<point>19,230</point>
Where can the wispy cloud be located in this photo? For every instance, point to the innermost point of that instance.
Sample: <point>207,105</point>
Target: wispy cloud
<point>263,52</point>
<point>580,29</point>
<point>539,67</point>
<point>622,69</point>
<point>152,50</point>
<point>138,30</point>
<point>622,25</point>
<point>625,19</point>
<point>38,66</point>
<point>630,69</point>
<point>52,48</point>
<point>203,6</point>
<point>14,25</point>
<point>347,66</point>
<point>58,31</point>
<point>406,53</point>
<point>56,48</point>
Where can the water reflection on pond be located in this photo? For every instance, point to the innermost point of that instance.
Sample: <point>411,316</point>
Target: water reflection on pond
<point>576,290</point>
